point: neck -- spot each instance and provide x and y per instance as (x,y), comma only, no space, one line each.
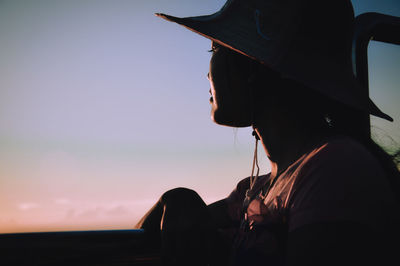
(283,151)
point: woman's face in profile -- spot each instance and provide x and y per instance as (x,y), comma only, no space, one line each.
(231,101)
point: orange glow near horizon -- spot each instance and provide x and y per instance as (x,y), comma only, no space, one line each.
(60,192)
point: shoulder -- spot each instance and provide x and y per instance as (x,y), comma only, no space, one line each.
(339,181)
(342,153)
(343,161)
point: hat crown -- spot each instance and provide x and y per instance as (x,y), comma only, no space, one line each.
(309,41)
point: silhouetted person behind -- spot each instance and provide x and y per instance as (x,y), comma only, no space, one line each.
(331,198)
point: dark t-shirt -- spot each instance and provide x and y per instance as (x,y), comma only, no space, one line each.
(338,181)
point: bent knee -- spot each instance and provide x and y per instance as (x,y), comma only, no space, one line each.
(179,195)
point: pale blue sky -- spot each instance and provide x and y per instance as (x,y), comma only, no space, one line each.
(104,106)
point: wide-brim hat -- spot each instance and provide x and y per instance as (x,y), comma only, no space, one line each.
(308,41)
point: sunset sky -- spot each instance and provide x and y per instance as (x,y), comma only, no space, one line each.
(104,106)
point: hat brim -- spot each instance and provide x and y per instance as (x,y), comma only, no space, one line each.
(333,80)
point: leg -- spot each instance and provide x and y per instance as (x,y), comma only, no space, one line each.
(181,220)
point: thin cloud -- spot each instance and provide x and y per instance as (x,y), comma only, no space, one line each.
(25,206)
(62,201)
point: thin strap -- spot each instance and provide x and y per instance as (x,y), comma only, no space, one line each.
(253,178)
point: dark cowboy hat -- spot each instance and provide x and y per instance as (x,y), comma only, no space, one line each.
(308,41)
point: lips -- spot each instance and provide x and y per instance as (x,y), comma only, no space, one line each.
(211,98)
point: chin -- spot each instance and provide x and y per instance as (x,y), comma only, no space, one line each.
(222,119)
(219,119)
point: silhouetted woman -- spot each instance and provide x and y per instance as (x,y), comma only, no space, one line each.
(331,198)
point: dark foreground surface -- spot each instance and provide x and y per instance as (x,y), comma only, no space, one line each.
(115,247)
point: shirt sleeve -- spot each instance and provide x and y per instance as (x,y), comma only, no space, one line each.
(236,198)
(341,182)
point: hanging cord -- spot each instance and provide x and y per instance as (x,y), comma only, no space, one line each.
(252,80)
(253,178)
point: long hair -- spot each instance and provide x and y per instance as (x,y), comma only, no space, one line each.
(343,123)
